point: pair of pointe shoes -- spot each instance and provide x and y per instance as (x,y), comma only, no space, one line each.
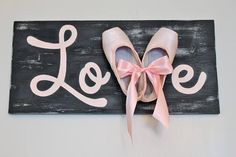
(129,69)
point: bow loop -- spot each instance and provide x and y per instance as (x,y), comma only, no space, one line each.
(160,66)
(126,68)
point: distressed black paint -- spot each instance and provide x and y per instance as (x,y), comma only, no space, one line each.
(196,48)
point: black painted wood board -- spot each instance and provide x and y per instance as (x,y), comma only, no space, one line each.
(196,48)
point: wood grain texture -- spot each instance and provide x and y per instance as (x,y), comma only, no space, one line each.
(196,48)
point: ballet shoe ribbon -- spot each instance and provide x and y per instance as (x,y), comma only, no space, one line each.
(154,71)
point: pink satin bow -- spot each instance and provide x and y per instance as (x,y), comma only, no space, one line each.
(160,66)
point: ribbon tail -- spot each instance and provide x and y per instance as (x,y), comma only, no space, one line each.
(161,111)
(131,101)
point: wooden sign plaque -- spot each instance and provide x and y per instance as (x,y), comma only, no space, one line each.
(196,49)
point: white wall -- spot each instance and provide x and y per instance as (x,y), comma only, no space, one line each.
(106,135)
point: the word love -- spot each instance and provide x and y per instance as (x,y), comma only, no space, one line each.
(59,81)
(98,79)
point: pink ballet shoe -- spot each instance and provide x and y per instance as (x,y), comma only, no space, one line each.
(117,46)
(118,49)
(161,49)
